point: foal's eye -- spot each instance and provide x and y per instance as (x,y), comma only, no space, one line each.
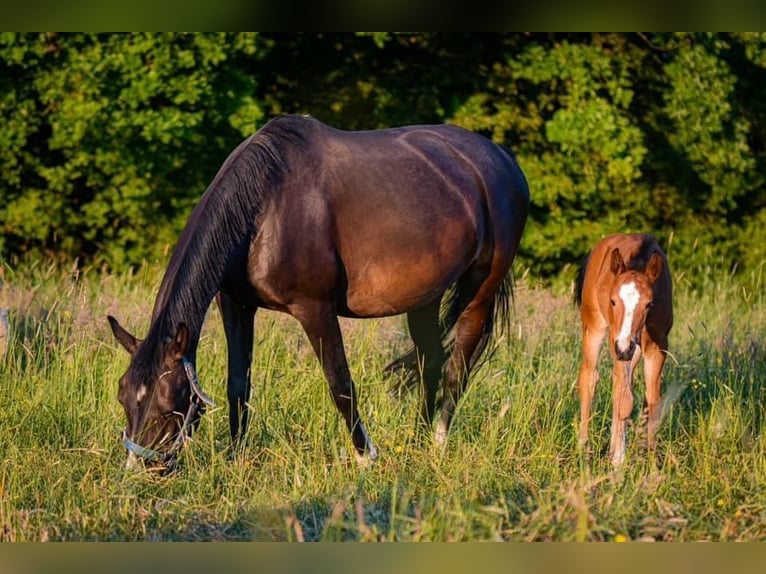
(613,302)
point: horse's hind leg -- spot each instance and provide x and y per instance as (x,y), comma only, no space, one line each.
(320,323)
(426,335)
(238,326)
(477,291)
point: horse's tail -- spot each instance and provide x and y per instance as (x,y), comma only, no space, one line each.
(407,369)
(580,280)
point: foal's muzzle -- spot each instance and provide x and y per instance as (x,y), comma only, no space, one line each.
(626,354)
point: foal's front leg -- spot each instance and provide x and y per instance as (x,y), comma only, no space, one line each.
(592,338)
(320,323)
(622,404)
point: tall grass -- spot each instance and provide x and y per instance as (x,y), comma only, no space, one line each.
(511,470)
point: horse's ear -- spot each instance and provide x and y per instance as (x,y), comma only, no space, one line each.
(654,267)
(618,263)
(123,337)
(179,344)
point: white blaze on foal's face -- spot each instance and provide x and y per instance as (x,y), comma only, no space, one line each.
(629,296)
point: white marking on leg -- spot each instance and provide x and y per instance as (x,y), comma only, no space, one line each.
(630,296)
(618,457)
(617,443)
(132,461)
(440,437)
(371,452)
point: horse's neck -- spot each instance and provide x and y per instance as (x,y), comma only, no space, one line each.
(183,298)
(216,234)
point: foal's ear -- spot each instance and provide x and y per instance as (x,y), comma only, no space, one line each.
(618,263)
(123,337)
(179,344)
(654,267)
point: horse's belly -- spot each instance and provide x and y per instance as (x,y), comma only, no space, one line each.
(380,291)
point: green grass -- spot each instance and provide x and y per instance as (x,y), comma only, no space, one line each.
(511,470)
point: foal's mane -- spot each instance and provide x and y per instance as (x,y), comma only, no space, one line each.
(640,258)
(219,231)
(637,262)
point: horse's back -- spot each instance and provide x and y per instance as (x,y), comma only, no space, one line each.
(444,148)
(444,172)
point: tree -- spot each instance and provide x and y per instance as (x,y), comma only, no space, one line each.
(112,137)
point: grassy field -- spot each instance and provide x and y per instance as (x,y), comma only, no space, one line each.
(511,470)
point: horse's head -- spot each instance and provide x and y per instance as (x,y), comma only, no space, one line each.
(630,299)
(161,397)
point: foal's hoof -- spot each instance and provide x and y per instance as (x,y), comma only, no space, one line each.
(440,437)
(584,450)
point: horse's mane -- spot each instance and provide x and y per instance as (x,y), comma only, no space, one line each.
(219,231)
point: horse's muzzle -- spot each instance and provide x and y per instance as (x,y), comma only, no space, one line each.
(141,457)
(167,465)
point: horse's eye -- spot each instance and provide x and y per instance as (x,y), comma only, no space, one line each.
(613,302)
(649,304)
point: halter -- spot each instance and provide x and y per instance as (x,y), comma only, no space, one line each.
(182,436)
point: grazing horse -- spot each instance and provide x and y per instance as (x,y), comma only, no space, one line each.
(624,288)
(318,223)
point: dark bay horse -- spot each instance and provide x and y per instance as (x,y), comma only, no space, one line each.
(318,222)
(624,288)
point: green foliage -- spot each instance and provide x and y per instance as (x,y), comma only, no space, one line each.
(114,136)
(583,161)
(630,133)
(109,139)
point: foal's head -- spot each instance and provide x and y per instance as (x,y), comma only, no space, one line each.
(630,300)
(160,395)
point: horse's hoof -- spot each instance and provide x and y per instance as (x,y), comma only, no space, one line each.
(366,460)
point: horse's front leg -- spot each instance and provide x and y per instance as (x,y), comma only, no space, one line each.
(320,323)
(622,403)
(238,325)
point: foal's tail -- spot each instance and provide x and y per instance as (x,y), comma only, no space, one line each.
(580,280)
(407,369)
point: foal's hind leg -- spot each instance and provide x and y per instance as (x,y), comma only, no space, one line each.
(238,326)
(320,323)
(426,335)
(654,360)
